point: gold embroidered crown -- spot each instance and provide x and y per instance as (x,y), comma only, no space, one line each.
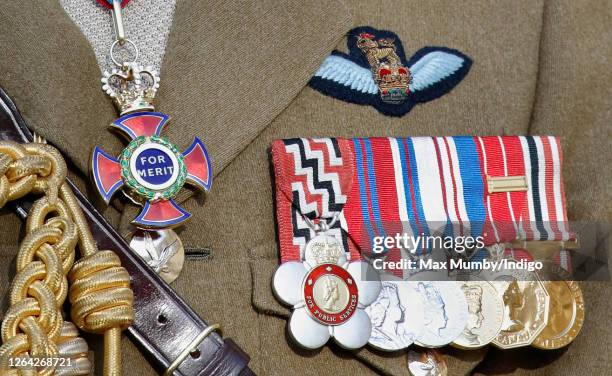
(327,253)
(391,76)
(393,82)
(132,87)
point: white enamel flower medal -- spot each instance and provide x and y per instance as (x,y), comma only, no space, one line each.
(328,294)
(150,170)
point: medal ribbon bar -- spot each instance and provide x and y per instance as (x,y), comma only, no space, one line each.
(312,177)
(423,185)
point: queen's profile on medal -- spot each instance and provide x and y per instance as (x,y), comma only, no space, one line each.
(387,313)
(435,311)
(526,303)
(514,300)
(445,312)
(396,315)
(475,317)
(485,314)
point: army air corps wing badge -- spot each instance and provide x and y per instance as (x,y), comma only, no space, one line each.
(376,72)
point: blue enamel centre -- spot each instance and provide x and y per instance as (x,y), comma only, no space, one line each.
(154,166)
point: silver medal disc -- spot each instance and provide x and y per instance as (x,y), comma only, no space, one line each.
(162,250)
(446,312)
(485,314)
(397,316)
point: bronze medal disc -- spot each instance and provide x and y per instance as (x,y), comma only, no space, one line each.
(565,316)
(426,362)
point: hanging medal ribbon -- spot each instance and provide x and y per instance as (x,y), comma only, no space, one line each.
(109,3)
(319,276)
(419,186)
(536,212)
(150,170)
(540,214)
(312,177)
(504,209)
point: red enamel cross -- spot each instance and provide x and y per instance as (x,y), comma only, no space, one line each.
(150,170)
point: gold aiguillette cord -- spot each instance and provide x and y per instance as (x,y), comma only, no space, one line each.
(97,286)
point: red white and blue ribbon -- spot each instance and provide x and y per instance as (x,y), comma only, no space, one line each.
(427,186)
(423,184)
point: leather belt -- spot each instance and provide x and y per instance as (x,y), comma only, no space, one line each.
(164,325)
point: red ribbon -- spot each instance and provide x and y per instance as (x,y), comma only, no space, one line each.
(109,3)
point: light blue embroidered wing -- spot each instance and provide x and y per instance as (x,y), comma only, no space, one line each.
(345,72)
(434,67)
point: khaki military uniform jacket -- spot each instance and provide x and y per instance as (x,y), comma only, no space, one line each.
(236,74)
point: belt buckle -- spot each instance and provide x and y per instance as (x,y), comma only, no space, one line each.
(191,347)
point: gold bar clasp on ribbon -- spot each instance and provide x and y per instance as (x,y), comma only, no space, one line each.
(506,183)
(545,249)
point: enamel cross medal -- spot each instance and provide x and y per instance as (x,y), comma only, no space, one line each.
(150,170)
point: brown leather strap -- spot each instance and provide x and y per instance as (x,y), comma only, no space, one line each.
(164,324)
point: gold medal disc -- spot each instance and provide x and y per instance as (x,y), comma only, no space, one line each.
(565,316)
(526,304)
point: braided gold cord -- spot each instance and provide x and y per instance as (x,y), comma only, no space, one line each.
(97,286)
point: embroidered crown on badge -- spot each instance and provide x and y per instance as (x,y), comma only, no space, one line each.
(391,76)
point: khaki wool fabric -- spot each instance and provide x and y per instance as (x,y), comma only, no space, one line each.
(235,75)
